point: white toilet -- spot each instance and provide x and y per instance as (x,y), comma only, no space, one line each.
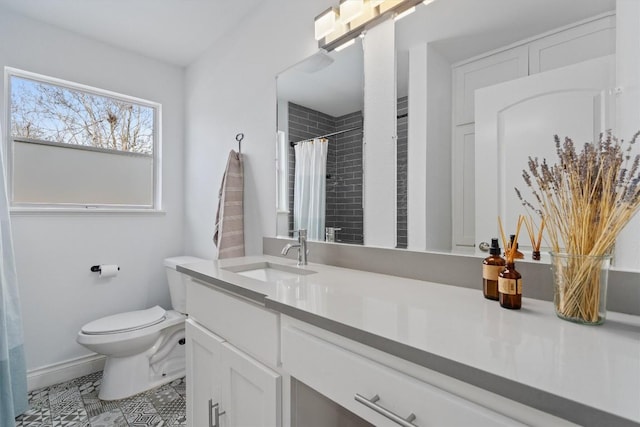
(144,348)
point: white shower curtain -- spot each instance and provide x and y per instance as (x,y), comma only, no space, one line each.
(13,377)
(309,197)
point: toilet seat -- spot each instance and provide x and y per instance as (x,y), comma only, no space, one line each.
(125,322)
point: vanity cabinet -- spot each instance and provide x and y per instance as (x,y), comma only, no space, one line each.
(222,377)
(386,391)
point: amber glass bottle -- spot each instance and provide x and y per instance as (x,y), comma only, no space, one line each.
(510,287)
(491,268)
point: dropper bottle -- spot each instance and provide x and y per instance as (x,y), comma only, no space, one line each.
(491,268)
(510,287)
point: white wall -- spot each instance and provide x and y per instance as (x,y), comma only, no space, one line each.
(54,252)
(231,89)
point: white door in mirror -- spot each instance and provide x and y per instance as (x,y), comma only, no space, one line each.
(519,118)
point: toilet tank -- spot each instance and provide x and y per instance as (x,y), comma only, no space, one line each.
(177,281)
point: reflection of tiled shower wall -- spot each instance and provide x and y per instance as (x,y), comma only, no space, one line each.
(402,126)
(344,169)
(344,178)
(347,183)
(305,123)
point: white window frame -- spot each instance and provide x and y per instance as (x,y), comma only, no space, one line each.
(155,207)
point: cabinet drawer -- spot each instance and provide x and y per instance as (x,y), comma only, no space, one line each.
(244,324)
(340,374)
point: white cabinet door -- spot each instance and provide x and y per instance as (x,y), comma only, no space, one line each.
(251,396)
(581,43)
(517,119)
(203,350)
(500,67)
(463,182)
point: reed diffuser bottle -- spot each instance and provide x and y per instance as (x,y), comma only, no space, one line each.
(491,268)
(509,280)
(518,254)
(510,287)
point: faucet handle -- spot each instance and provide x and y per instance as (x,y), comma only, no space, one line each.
(301,232)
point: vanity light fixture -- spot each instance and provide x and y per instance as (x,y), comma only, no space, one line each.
(345,45)
(350,9)
(335,27)
(405,13)
(326,22)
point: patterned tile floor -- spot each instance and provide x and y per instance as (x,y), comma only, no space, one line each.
(76,404)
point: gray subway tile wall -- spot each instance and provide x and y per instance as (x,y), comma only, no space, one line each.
(345,170)
(348,180)
(305,123)
(402,160)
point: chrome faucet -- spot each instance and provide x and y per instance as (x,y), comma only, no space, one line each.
(301,245)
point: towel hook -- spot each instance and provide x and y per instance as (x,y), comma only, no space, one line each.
(239,138)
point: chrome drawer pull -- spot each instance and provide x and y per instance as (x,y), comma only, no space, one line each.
(371,403)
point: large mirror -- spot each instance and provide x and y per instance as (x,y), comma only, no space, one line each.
(462,64)
(321,98)
(447,52)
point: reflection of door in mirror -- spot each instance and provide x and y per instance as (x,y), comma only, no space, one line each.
(448,50)
(542,55)
(517,119)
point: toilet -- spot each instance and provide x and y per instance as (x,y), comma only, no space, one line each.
(144,348)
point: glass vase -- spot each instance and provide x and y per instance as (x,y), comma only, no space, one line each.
(580,287)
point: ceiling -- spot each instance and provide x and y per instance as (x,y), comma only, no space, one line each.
(173,31)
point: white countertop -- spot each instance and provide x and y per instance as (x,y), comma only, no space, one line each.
(596,366)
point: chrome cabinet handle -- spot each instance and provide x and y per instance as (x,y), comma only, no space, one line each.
(216,414)
(371,403)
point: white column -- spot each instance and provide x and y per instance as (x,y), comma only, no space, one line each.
(417,150)
(438,166)
(429,159)
(379,163)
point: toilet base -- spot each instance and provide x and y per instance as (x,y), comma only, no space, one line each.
(126,376)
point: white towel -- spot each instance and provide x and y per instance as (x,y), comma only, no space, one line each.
(229,228)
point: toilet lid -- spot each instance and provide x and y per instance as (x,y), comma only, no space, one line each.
(125,322)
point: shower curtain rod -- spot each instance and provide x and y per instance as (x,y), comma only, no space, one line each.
(293,144)
(324,136)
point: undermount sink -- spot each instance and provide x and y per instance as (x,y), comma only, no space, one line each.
(268,271)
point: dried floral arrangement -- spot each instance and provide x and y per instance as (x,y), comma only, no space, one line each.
(585,200)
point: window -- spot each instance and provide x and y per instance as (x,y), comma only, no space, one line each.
(73,146)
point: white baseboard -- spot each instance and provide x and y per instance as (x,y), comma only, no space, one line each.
(64,371)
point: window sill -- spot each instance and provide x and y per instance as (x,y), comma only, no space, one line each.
(20,211)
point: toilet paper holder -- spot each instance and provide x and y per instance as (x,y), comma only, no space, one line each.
(97,269)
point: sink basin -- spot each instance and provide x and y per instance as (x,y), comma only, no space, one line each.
(268,272)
